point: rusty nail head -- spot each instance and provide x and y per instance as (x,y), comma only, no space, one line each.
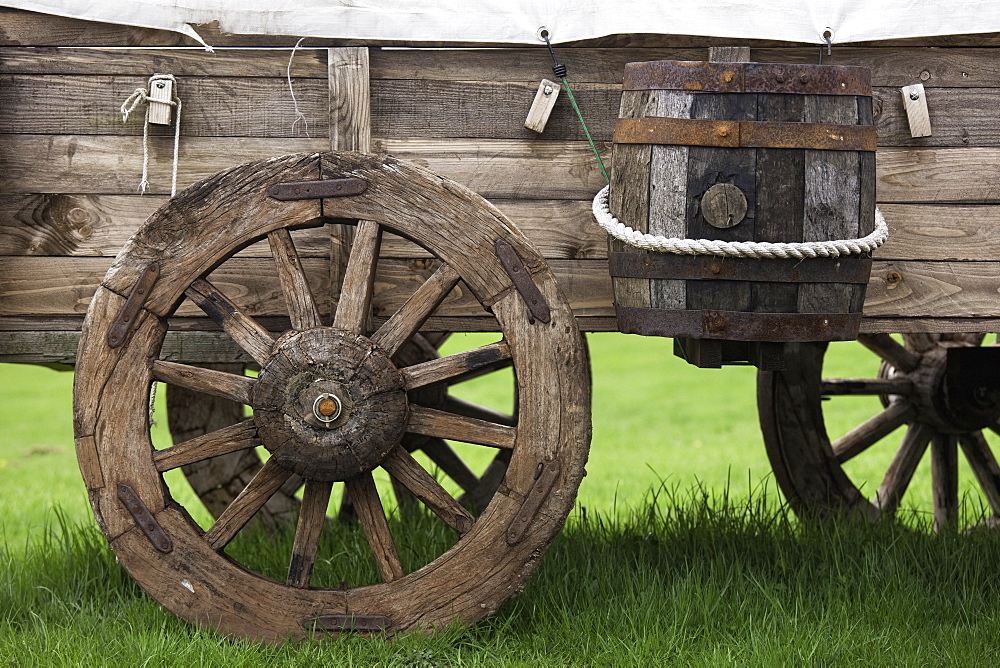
(780,77)
(723,132)
(727,76)
(804,78)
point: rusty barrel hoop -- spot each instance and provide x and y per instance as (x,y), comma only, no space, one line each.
(743,152)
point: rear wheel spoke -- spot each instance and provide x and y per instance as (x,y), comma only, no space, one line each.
(312,518)
(890,350)
(302,308)
(368,506)
(871,431)
(902,467)
(448,460)
(944,481)
(984,466)
(268,480)
(866,386)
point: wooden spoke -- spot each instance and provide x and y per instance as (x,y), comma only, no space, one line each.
(901,469)
(479,497)
(247,334)
(217,383)
(312,517)
(971,338)
(469,409)
(944,480)
(863,386)
(984,465)
(455,367)
(403,467)
(368,507)
(267,481)
(871,431)
(294,286)
(442,454)
(921,342)
(411,315)
(233,438)
(890,350)
(354,308)
(436,338)
(432,422)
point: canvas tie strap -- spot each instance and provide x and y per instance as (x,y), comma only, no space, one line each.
(753,249)
(128,106)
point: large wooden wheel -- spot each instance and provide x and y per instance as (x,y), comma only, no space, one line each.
(333,403)
(929,388)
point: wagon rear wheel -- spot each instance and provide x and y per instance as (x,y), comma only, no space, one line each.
(923,404)
(334,405)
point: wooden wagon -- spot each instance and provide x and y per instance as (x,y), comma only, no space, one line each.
(335,271)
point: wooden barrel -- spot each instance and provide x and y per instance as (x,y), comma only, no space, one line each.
(743,152)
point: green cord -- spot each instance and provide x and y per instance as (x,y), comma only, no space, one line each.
(593,147)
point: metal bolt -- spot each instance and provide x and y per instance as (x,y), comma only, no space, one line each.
(914,95)
(547,90)
(804,78)
(723,132)
(160,84)
(327,407)
(780,77)
(925,75)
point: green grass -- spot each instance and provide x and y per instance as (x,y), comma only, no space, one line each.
(679,551)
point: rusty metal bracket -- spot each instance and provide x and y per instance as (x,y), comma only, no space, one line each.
(523,282)
(127,319)
(545,479)
(355,623)
(147,523)
(296,190)
(745,134)
(706,77)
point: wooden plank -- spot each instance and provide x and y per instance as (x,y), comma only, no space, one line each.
(923,289)
(706,167)
(939,175)
(308,63)
(960,117)
(832,199)
(349,99)
(668,195)
(113,165)
(933,289)
(486,109)
(780,199)
(213,106)
(518,64)
(33,29)
(98,225)
(901,66)
(628,199)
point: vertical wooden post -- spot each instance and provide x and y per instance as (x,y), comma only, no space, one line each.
(350,130)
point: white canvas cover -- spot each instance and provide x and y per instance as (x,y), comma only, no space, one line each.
(518,21)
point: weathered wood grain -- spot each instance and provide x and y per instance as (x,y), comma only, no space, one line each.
(56,224)
(308,63)
(496,169)
(113,165)
(213,106)
(628,198)
(312,518)
(961,289)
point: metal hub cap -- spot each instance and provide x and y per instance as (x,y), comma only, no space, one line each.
(327,407)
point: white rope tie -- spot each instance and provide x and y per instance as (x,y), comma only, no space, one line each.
(756,249)
(299,116)
(128,106)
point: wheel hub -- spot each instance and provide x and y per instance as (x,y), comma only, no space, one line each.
(329,405)
(944,396)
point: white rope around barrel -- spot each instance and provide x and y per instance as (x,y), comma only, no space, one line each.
(756,249)
(129,105)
